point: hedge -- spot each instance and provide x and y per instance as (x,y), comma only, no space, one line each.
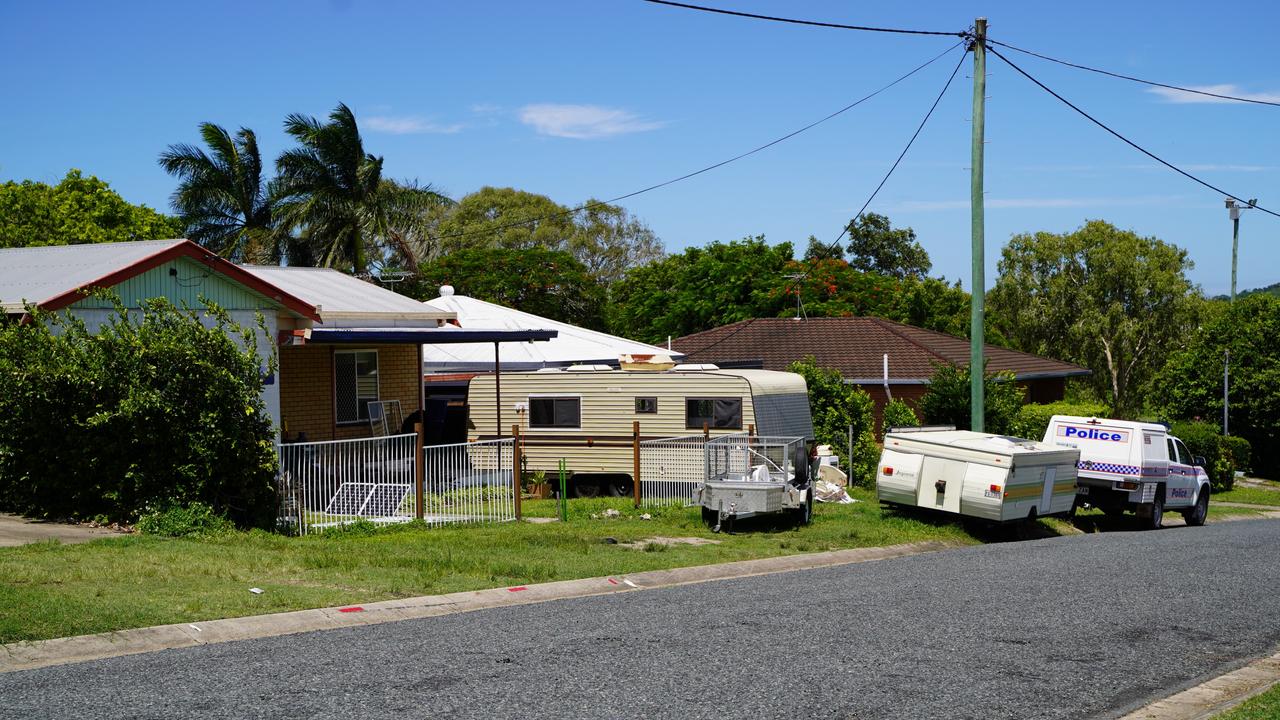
(1223,455)
(1033,419)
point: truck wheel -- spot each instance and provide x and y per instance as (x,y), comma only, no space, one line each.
(1196,516)
(1154,520)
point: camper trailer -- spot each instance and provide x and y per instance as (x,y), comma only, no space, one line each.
(979,475)
(1133,466)
(584,414)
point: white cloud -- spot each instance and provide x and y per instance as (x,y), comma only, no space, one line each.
(408,125)
(1039,203)
(1180,96)
(583,122)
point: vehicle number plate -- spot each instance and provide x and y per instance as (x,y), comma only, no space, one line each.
(1082,489)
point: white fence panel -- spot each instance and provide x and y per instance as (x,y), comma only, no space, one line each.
(469,482)
(671,468)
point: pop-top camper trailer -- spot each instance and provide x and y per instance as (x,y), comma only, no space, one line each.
(584,414)
(980,475)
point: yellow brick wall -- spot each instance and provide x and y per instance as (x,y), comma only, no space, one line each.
(306,388)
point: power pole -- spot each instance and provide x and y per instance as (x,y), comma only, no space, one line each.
(979,283)
(1233,209)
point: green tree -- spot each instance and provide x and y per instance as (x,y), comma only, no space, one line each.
(834,288)
(876,246)
(838,408)
(77,210)
(899,414)
(1190,384)
(157,406)
(331,191)
(701,288)
(947,400)
(605,238)
(222,197)
(551,283)
(1106,298)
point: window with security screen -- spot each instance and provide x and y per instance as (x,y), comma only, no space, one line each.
(715,413)
(555,412)
(355,379)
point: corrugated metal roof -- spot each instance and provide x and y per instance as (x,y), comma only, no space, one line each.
(573,345)
(344,299)
(38,274)
(856,347)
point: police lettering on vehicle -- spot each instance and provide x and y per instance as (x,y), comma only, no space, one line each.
(1090,433)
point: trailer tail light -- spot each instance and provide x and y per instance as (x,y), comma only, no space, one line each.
(887,472)
(995,488)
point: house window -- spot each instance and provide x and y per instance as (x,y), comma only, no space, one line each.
(355,380)
(555,412)
(716,413)
(646,405)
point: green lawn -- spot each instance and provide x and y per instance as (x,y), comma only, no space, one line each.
(1261,707)
(52,590)
(1252,495)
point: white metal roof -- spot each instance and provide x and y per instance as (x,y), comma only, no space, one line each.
(344,300)
(39,274)
(573,345)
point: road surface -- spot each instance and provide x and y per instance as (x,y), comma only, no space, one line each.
(1074,627)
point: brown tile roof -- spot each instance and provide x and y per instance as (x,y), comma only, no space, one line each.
(855,346)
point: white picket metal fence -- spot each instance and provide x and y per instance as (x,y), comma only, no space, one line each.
(330,483)
(671,468)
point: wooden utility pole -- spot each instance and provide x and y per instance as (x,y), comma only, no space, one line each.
(635,460)
(978,287)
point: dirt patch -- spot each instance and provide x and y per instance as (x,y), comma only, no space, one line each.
(642,544)
(15,530)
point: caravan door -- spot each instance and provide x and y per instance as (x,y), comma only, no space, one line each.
(941,484)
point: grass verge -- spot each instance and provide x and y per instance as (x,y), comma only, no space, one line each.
(50,590)
(1247,494)
(1259,707)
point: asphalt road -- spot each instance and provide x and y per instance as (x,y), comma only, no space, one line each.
(1074,627)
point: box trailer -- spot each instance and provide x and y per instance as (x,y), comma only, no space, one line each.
(1133,466)
(979,475)
(585,414)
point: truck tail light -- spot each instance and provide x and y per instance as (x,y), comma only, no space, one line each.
(887,472)
(1127,485)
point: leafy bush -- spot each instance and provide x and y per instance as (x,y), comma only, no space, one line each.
(947,401)
(899,414)
(191,520)
(836,407)
(1033,418)
(152,407)
(1222,455)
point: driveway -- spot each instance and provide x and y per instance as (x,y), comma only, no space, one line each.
(16,530)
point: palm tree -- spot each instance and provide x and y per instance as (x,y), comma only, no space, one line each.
(221,198)
(333,193)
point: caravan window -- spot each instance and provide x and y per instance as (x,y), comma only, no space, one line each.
(716,413)
(551,412)
(646,405)
(355,384)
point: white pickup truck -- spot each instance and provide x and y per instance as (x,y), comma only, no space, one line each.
(1133,466)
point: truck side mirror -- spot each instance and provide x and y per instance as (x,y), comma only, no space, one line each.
(1197,460)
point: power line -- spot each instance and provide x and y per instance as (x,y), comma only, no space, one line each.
(801,277)
(686,176)
(1126,140)
(1134,79)
(794,21)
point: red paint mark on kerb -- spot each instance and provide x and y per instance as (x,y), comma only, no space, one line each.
(353,608)
(517,589)
(612,581)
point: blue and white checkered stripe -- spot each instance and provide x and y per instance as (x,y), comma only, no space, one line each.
(1108,468)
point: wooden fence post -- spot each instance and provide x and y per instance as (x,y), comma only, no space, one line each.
(419,468)
(751,430)
(706,431)
(635,459)
(515,466)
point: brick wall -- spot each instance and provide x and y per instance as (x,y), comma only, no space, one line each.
(306,388)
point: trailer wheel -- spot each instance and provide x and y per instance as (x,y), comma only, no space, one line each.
(710,517)
(1196,516)
(1156,517)
(804,513)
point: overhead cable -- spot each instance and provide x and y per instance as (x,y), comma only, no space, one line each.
(1124,139)
(794,21)
(1135,79)
(722,163)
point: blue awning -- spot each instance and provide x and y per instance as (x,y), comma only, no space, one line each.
(427,335)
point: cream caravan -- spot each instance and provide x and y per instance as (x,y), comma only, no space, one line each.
(584,413)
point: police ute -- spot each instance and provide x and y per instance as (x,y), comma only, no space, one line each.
(1133,466)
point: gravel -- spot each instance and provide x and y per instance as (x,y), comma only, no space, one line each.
(1073,627)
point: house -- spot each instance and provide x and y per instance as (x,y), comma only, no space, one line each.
(342,343)
(885,358)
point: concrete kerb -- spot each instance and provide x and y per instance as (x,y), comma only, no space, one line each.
(82,648)
(1215,696)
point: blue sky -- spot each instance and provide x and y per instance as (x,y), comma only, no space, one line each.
(596,99)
